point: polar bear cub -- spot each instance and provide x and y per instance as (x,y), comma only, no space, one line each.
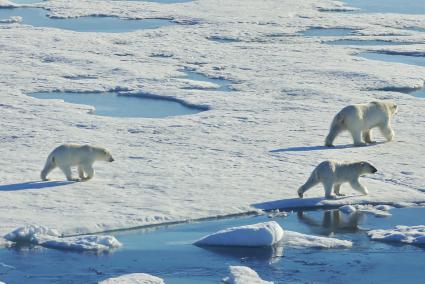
(332,174)
(360,119)
(68,155)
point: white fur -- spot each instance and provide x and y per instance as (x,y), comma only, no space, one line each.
(332,174)
(360,119)
(83,156)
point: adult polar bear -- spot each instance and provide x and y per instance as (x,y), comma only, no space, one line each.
(359,120)
(68,155)
(332,174)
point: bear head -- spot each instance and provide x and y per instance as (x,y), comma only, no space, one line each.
(367,168)
(103,155)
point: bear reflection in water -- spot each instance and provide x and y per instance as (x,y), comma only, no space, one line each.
(333,221)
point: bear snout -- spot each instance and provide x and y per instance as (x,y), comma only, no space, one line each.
(374,170)
(111,159)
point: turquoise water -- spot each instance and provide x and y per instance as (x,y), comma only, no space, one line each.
(327,32)
(389,6)
(116,105)
(224,85)
(38,18)
(366,42)
(167,252)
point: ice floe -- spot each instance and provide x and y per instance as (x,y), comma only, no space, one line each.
(134,278)
(256,235)
(51,238)
(414,235)
(298,240)
(377,210)
(244,275)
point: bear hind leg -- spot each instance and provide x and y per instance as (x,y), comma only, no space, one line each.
(68,173)
(357,138)
(50,166)
(312,181)
(81,172)
(333,133)
(337,189)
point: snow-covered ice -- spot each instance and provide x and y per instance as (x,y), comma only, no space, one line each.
(244,275)
(298,240)
(257,144)
(400,234)
(134,278)
(256,235)
(50,238)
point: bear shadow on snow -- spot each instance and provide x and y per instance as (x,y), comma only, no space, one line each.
(321,147)
(33,185)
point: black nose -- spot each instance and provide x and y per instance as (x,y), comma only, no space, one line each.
(111,160)
(374,170)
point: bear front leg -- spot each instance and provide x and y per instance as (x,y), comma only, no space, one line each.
(337,188)
(88,169)
(387,131)
(357,186)
(357,138)
(68,173)
(367,136)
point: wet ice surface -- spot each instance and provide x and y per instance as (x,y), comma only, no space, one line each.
(389,6)
(223,84)
(160,1)
(38,18)
(366,42)
(154,251)
(122,105)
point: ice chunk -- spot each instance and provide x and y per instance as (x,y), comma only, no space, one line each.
(295,239)
(134,278)
(11,20)
(244,275)
(378,210)
(30,233)
(401,234)
(257,235)
(348,209)
(50,238)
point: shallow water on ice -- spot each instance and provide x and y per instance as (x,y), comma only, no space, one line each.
(38,18)
(327,32)
(167,252)
(366,42)
(224,85)
(389,6)
(115,105)
(160,1)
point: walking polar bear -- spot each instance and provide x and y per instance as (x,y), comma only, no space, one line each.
(83,156)
(332,174)
(360,119)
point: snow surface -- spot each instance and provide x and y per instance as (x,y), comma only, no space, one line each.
(400,234)
(298,240)
(257,144)
(134,278)
(256,235)
(377,210)
(244,275)
(50,238)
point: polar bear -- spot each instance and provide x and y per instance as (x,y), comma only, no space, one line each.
(68,155)
(360,119)
(333,173)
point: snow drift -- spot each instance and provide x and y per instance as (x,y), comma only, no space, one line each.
(244,275)
(401,234)
(256,235)
(134,278)
(294,239)
(50,238)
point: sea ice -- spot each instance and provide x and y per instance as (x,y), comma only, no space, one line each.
(256,235)
(134,278)
(378,210)
(244,275)
(298,240)
(50,238)
(402,234)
